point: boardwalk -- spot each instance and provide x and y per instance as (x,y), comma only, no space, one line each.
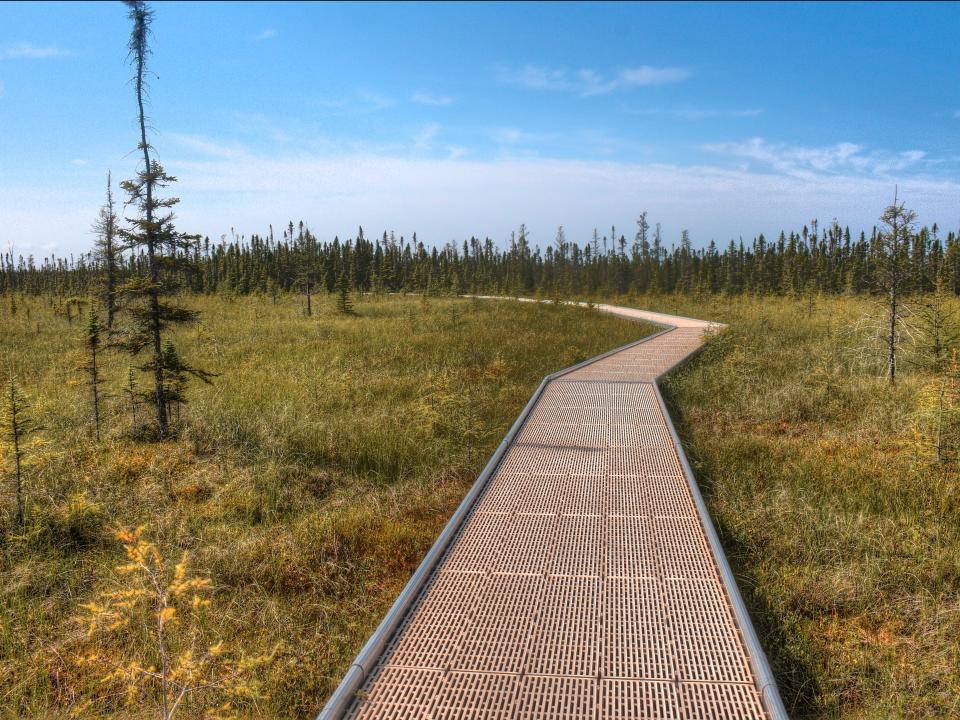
(581,579)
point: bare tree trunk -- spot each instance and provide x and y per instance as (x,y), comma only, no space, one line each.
(892,338)
(895,277)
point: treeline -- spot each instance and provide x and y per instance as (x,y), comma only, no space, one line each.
(827,260)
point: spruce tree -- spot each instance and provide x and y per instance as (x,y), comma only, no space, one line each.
(344,302)
(92,342)
(894,262)
(132,393)
(165,251)
(16,425)
(935,330)
(175,376)
(107,252)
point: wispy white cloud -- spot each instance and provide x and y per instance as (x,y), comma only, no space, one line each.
(207,148)
(423,140)
(425,98)
(375,101)
(956,114)
(592,142)
(79,162)
(515,136)
(695,113)
(446,197)
(649,75)
(534,77)
(27,50)
(267,34)
(587,82)
(3,88)
(809,162)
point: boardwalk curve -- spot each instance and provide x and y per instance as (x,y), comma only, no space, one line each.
(581,577)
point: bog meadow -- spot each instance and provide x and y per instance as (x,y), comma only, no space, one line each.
(221,460)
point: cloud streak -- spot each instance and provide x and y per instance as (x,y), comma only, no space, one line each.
(267,34)
(423,140)
(22,51)
(694,113)
(431,100)
(207,148)
(587,82)
(515,136)
(448,199)
(813,162)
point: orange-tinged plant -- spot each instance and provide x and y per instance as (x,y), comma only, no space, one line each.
(166,606)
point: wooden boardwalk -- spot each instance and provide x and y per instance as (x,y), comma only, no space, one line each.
(582,578)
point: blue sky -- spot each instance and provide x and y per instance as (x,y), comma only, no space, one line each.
(452,120)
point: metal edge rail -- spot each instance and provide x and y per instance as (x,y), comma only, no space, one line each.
(356,674)
(766,683)
(367,657)
(370,653)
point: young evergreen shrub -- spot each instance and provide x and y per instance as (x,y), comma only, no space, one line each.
(132,394)
(344,301)
(91,341)
(175,376)
(16,425)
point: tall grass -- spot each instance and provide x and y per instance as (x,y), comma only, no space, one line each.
(312,476)
(306,482)
(842,527)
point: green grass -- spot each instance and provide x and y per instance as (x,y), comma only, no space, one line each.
(307,482)
(842,528)
(314,474)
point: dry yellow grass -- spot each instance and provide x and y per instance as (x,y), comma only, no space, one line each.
(823,482)
(306,483)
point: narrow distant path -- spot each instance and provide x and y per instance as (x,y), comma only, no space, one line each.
(580,578)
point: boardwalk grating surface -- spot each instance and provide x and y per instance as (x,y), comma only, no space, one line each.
(582,584)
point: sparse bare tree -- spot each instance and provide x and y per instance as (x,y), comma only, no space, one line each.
(894,273)
(107,252)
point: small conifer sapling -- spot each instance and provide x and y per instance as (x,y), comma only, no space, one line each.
(92,342)
(344,302)
(17,424)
